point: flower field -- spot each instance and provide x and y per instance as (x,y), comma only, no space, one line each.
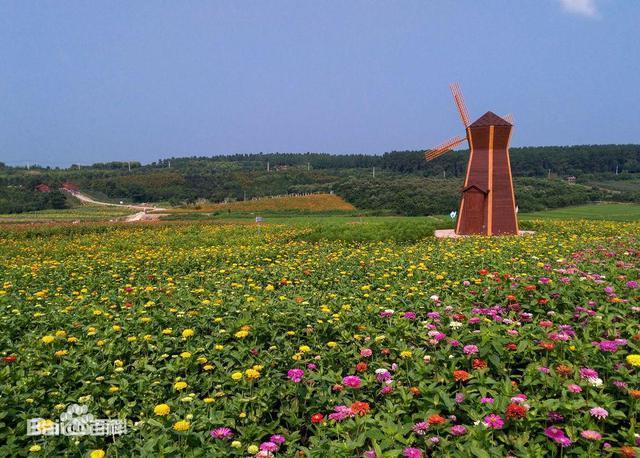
(219,340)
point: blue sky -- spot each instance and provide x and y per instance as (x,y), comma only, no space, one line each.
(83,82)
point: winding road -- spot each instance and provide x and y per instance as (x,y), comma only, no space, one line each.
(141,215)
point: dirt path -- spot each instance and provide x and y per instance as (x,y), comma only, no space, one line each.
(142,215)
(84,198)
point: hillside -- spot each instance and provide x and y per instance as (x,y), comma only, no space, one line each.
(395,182)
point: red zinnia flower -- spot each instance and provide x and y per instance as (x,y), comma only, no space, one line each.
(511,346)
(414,390)
(9,359)
(516,411)
(361,366)
(317,418)
(479,363)
(360,408)
(483,272)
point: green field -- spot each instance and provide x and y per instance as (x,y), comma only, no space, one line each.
(84,213)
(604,211)
(351,227)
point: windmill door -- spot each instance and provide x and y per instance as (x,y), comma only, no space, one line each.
(472,219)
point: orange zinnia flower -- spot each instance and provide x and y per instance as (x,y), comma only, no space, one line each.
(563,370)
(436,419)
(547,345)
(461,375)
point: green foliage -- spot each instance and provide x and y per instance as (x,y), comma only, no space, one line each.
(18,200)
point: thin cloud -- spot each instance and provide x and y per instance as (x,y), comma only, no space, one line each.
(585,8)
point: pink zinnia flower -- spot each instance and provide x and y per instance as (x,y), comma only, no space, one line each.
(557,435)
(412,452)
(587,372)
(269,447)
(470,349)
(591,435)
(573,388)
(352,381)
(295,375)
(599,413)
(458,430)
(341,412)
(420,428)
(277,439)
(632,284)
(607,345)
(493,421)
(221,433)
(366,352)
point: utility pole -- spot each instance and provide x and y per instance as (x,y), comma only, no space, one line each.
(169,164)
(308,166)
(129,164)
(373,173)
(549,175)
(616,169)
(267,166)
(444,174)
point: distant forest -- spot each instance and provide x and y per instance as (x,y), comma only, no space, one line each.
(399,182)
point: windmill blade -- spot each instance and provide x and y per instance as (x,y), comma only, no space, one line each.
(462,108)
(508,118)
(443,148)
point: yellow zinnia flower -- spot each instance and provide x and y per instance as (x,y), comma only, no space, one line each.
(633,360)
(162,410)
(181,425)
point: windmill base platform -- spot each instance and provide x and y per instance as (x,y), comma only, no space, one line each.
(451,234)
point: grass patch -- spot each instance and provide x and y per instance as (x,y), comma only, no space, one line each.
(82,213)
(602,211)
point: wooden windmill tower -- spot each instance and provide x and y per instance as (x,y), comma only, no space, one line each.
(487,206)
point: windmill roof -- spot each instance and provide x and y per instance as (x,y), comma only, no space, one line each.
(489,119)
(475,187)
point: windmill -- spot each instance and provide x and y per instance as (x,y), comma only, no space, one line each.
(487,205)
